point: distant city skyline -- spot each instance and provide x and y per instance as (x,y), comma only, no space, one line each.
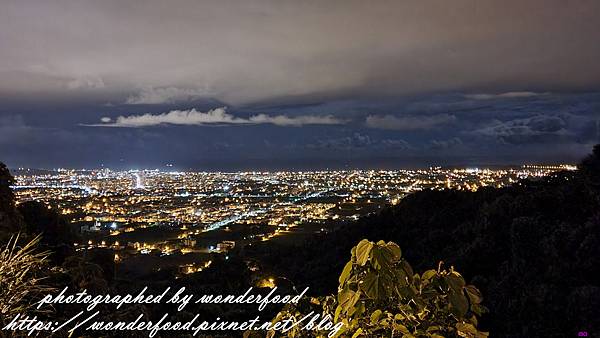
(173,168)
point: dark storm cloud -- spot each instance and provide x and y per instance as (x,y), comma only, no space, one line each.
(550,127)
(445,144)
(408,122)
(535,129)
(323,82)
(152,52)
(359,141)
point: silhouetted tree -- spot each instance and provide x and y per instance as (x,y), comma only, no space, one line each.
(10,220)
(40,219)
(590,166)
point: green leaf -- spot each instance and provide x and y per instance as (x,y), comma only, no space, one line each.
(338,309)
(345,273)
(341,331)
(466,328)
(395,250)
(403,329)
(401,278)
(423,313)
(375,316)
(344,298)
(347,299)
(357,333)
(363,250)
(459,303)
(433,328)
(455,281)
(358,309)
(382,258)
(428,274)
(416,280)
(373,285)
(473,294)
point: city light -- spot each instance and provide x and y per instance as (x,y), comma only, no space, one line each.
(116,206)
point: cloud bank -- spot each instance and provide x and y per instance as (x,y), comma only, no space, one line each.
(359,141)
(218,116)
(535,129)
(273,49)
(507,95)
(150,95)
(408,122)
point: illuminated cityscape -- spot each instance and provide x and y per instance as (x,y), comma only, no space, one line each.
(182,218)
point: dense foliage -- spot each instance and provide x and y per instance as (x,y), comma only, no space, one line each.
(380,296)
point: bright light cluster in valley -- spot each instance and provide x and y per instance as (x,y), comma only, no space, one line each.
(159,213)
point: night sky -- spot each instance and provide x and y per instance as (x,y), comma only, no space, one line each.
(229,85)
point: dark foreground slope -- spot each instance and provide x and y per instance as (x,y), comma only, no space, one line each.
(533,249)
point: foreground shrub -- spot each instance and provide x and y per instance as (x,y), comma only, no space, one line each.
(380,296)
(20,281)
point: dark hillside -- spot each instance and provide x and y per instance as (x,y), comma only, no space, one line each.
(533,249)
